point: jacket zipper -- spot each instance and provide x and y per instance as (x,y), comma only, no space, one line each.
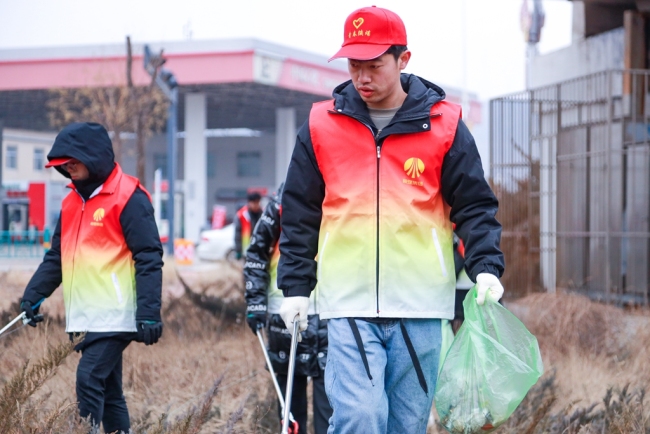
(377,253)
(378,146)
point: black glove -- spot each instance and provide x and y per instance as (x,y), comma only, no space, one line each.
(31,313)
(256,317)
(149,331)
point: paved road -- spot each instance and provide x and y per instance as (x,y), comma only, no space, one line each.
(31,263)
(7,264)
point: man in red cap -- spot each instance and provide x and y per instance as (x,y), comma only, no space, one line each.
(377,178)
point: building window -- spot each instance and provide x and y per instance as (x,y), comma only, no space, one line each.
(12,157)
(160,162)
(249,164)
(39,159)
(212,165)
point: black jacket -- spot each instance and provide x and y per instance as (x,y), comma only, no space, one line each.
(312,350)
(464,188)
(257,273)
(90,144)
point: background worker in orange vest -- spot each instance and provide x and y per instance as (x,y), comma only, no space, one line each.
(245,222)
(106,253)
(376,179)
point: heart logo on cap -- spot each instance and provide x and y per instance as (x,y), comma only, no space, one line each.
(357,23)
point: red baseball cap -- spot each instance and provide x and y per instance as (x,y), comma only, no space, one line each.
(57,161)
(369,32)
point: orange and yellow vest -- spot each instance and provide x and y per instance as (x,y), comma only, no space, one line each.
(385,246)
(246,229)
(97,266)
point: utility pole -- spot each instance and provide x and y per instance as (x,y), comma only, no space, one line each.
(169,86)
(532,21)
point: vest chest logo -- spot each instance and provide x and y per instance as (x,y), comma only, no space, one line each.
(413,167)
(98,215)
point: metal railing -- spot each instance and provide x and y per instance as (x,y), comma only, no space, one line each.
(24,244)
(570,164)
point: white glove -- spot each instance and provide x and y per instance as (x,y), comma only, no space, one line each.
(292,306)
(488,285)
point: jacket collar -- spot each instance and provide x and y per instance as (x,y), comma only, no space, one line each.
(421,96)
(110,185)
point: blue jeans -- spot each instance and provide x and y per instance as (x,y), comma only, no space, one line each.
(393,401)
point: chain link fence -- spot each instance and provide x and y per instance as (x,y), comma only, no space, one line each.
(570,164)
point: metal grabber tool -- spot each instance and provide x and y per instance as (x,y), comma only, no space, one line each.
(20,317)
(292,368)
(293,429)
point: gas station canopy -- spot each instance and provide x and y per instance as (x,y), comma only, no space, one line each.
(244,80)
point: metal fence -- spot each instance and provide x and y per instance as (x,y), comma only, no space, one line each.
(24,244)
(570,164)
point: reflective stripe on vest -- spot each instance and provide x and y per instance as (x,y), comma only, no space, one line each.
(385,245)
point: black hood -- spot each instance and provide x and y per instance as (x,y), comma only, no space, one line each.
(422,94)
(89,143)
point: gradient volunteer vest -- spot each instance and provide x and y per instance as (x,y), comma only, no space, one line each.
(246,229)
(385,246)
(97,266)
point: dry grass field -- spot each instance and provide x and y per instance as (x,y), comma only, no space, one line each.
(591,353)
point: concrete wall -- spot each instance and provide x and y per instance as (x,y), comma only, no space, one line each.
(27,170)
(597,53)
(225,186)
(27,142)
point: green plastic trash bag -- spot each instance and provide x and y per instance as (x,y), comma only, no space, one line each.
(447,339)
(492,363)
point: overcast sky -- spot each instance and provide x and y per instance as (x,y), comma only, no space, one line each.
(494,55)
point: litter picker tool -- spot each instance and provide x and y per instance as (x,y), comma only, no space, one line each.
(23,317)
(292,367)
(294,425)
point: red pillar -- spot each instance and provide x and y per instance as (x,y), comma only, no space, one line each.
(36,195)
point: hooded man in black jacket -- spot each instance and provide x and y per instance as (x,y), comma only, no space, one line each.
(106,253)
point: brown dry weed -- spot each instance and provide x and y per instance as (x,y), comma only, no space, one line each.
(207,374)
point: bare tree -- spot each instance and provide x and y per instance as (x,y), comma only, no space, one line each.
(149,112)
(141,110)
(107,106)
